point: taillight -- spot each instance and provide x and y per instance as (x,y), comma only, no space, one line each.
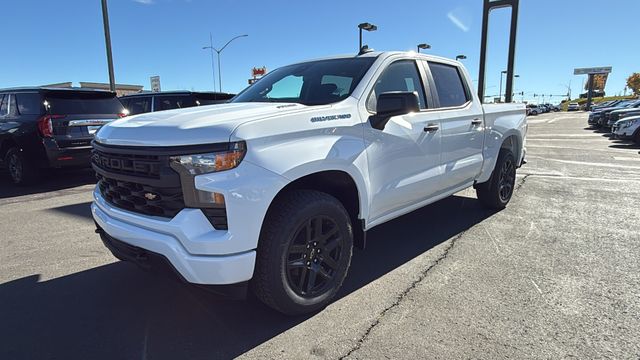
(45,126)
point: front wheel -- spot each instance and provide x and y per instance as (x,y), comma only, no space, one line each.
(304,252)
(496,193)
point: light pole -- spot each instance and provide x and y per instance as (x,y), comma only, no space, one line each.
(461,57)
(504,72)
(423,47)
(107,40)
(213,67)
(365,26)
(218,51)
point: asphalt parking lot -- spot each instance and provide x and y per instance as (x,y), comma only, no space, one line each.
(555,275)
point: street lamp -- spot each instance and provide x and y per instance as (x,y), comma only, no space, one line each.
(423,47)
(218,51)
(501,73)
(367,27)
(461,57)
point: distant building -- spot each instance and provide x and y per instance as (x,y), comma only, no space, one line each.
(121,89)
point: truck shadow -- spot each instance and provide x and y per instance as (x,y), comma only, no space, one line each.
(118,311)
(51,180)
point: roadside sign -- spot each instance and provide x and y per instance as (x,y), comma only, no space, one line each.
(256,72)
(155,83)
(593,70)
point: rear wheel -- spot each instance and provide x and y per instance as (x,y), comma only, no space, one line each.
(304,252)
(22,171)
(496,193)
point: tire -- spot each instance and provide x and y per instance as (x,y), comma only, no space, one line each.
(306,237)
(21,170)
(636,138)
(496,193)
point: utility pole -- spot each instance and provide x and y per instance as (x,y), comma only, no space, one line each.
(213,66)
(107,40)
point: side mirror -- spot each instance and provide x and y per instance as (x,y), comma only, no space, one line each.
(393,103)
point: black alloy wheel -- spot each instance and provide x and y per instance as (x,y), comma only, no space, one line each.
(313,257)
(507,179)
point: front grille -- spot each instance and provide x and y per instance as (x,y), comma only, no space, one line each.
(140,179)
(141,198)
(129,164)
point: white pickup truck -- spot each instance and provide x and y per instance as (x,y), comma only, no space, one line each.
(272,190)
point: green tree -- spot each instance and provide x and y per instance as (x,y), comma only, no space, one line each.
(633,83)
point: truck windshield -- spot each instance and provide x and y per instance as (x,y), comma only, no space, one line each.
(311,83)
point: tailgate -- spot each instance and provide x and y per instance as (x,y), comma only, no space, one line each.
(78,130)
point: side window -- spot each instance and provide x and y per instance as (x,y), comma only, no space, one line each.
(29,104)
(449,85)
(168,102)
(401,75)
(4,106)
(139,105)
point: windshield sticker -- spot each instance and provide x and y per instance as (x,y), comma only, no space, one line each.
(330,117)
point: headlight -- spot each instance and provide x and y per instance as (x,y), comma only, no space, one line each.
(197,164)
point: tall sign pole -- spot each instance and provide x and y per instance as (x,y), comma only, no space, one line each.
(488,6)
(107,40)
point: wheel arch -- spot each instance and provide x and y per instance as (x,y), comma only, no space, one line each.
(339,184)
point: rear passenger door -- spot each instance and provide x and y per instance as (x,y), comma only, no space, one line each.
(461,123)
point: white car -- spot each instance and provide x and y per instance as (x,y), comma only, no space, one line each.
(627,129)
(273,189)
(573,107)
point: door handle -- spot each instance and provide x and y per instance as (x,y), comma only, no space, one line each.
(476,121)
(431,128)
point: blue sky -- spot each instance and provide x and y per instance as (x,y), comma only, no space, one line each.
(56,41)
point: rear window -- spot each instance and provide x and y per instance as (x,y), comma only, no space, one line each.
(74,103)
(29,104)
(449,85)
(174,102)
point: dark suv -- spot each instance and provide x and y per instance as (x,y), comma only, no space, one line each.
(149,102)
(50,128)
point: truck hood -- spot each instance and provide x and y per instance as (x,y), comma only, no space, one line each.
(191,126)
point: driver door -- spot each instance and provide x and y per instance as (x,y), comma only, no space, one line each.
(404,157)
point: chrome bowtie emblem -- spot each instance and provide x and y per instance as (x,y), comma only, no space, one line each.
(150,196)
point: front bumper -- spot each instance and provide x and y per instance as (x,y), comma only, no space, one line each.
(622,134)
(197,269)
(200,253)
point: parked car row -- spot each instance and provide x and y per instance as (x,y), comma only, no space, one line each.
(42,127)
(535,109)
(620,117)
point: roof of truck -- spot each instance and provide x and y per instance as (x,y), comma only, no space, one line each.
(375,54)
